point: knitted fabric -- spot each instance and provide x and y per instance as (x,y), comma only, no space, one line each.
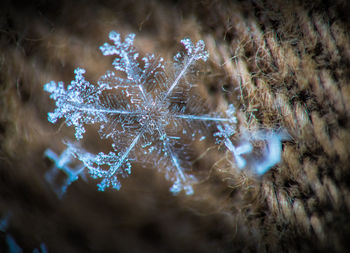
(285,65)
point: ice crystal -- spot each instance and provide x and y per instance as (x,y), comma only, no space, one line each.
(63,163)
(4,222)
(42,249)
(149,110)
(12,246)
(243,153)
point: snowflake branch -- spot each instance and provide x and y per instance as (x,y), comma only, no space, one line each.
(122,159)
(202,117)
(194,53)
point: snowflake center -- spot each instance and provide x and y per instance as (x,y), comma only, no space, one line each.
(154,116)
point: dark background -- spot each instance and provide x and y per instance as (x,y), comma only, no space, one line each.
(229,212)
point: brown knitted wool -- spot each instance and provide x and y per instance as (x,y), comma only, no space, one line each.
(283,64)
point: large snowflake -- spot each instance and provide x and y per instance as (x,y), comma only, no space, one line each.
(151,115)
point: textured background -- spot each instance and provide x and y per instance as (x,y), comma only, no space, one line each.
(284,64)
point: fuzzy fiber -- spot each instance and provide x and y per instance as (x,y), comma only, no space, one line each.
(284,64)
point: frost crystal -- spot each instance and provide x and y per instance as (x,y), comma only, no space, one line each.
(244,153)
(42,249)
(147,112)
(12,245)
(62,163)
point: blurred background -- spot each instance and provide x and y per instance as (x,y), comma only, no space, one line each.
(284,64)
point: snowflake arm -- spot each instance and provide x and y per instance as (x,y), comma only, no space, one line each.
(127,62)
(181,181)
(117,163)
(202,118)
(194,53)
(83,103)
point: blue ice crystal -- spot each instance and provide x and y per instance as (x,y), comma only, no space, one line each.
(147,109)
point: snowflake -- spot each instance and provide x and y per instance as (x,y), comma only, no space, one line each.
(244,154)
(144,110)
(63,163)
